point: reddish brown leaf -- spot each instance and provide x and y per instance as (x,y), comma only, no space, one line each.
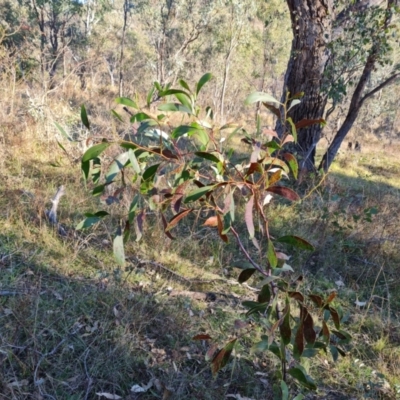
(299,341)
(309,332)
(176,203)
(247,141)
(222,358)
(284,328)
(335,317)
(139,224)
(174,220)
(202,336)
(165,223)
(211,221)
(317,300)
(273,109)
(211,352)
(220,229)
(248,216)
(297,296)
(308,122)
(325,332)
(165,152)
(254,167)
(284,192)
(331,297)
(275,177)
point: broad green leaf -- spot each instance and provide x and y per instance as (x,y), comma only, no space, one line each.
(170,92)
(63,132)
(88,222)
(94,151)
(296,241)
(150,172)
(293,103)
(207,156)
(198,193)
(310,352)
(183,130)
(139,117)
(117,165)
(254,307)
(174,107)
(118,248)
(126,102)
(293,128)
(184,84)
(265,294)
(85,166)
(271,254)
(242,265)
(132,208)
(334,352)
(285,391)
(203,80)
(203,137)
(98,190)
(185,100)
(149,96)
(133,160)
(301,376)
(246,275)
(84,117)
(292,162)
(260,96)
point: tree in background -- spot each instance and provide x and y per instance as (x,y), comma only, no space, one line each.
(335,47)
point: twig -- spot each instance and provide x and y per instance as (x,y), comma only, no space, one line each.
(90,380)
(8,293)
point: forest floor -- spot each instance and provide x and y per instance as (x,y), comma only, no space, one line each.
(73,325)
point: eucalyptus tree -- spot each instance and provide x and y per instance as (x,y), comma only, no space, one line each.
(57,23)
(337,46)
(172,27)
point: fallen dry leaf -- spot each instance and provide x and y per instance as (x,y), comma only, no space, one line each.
(109,396)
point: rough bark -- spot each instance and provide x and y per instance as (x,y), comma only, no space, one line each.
(311,22)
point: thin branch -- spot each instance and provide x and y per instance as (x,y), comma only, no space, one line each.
(248,256)
(381,86)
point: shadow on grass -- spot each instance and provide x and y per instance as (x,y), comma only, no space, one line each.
(70,338)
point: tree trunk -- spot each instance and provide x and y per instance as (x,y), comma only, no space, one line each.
(311,23)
